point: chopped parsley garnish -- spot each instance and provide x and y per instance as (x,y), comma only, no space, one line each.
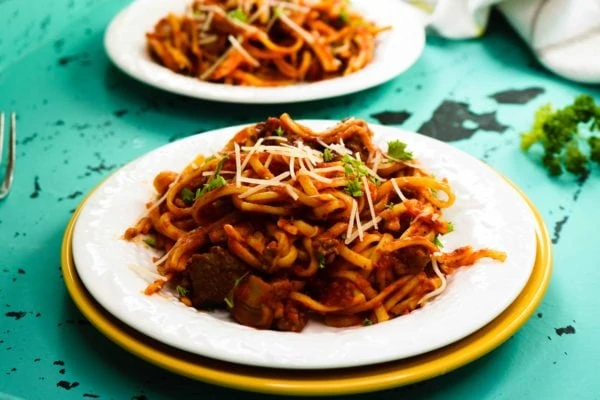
(450,227)
(353,188)
(238,14)
(437,242)
(278,11)
(389,205)
(344,17)
(216,181)
(182,290)
(397,150)
(228,302)
(367,322)
(187,196)
(357,169)
(150,241)
(352,166)
(279,131)
(239,280)
(327,155)
(321,259)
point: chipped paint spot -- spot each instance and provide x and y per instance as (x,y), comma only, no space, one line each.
(36,188)
(567,330)
(120,113)
(67,385)
(558,226)
(16,314)
(517,96)
(447,122)
(391,117)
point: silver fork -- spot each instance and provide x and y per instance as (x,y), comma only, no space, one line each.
(12,150)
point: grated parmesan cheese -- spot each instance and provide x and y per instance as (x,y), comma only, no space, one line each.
(365,227)
(253,150)
(351,221)
(442,287)
(145,273)
(292,172)
(238,46)
(291,192)
(398,191)
(263,183)
(238,165)
(359,226)
(297,28)
(370,201)
(317,177)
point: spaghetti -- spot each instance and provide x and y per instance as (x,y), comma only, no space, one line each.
(264,42)
(286,224)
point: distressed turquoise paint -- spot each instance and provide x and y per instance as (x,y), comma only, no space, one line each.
(81,120)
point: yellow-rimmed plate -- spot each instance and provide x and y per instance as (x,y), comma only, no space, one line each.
(320,382)
(487,213)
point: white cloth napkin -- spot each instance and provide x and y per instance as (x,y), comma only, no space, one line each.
(563,34)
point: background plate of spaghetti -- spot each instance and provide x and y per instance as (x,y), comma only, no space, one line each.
(395,50)
(487,213)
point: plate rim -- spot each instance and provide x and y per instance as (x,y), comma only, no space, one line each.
(383,130)
(240,95)
(319,382)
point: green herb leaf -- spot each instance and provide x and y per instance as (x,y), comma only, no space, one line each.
(389,205)
(187,196)
(437,242)
(321,259)
(344,17)
(279,131)
(228,302)
(367,322)
(397,150)
(278,11)
(216,181)
(353,188)
(182,290)
(239,280)
(150,241)
(238,14)
(327,155)
(450,227)
(352,166)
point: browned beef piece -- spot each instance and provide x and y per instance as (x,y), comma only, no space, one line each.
(410,260)
(213,275)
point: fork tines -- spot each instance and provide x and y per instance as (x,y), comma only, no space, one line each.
(12,150)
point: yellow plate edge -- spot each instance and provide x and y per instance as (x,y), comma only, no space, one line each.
(319,382)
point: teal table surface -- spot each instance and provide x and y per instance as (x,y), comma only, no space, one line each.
(80,119)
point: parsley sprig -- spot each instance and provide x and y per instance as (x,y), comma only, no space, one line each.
(216,181)
(397,151)
(322,261)
(183,291)
(353,188)
(354,170)
(567,136)
(238,14)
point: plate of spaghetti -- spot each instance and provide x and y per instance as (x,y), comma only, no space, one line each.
(255,51)
(310,244)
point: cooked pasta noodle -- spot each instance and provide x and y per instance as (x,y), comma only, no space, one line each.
(285,224)
(264,42)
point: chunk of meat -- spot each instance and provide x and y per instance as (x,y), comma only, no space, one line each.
(212,276)
(409,260)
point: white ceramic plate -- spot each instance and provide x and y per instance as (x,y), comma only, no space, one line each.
(396,51)
(487,213)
